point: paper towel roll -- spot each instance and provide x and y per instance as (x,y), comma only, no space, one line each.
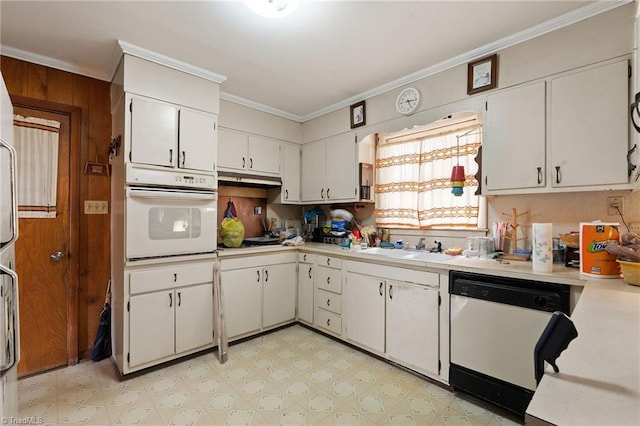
(542,253)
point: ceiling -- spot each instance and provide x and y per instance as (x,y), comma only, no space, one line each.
(323,56)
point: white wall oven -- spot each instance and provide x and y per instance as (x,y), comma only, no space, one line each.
(169,213)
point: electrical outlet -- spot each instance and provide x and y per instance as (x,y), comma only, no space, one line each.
(634,227)
(96,207)
(615,206)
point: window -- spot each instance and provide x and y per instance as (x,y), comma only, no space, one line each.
(413,176)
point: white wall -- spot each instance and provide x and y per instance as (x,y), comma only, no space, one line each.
(239,117)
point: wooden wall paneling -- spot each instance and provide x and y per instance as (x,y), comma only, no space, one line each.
(37,85)
(15,75)
(88,101)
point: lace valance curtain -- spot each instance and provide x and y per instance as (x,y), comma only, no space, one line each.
(36,144)
(413,187)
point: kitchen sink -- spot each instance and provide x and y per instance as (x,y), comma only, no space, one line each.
(408,254)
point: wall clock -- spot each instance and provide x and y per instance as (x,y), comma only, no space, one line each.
(408,101)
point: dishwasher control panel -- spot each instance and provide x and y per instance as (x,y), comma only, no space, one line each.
(536,295)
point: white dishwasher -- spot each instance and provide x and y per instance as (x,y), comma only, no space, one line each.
(495,325)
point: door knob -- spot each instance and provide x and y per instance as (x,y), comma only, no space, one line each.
(57,256)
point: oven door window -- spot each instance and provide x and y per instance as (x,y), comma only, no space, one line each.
(174,223)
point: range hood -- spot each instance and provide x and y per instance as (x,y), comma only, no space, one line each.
(249,180)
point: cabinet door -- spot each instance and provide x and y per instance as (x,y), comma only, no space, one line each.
(364,310)
(589,127)
(151,327)
(416,345)
(194,317)
(290,174)
(198,140)
(242,300)
(513,146)
(232,150)
(278,294)
(312,178)
(264,155)
(341,171)
(305,292)
(154,132)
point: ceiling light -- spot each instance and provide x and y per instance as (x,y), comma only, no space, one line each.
(272,8)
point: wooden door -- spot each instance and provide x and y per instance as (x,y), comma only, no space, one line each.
(44,282)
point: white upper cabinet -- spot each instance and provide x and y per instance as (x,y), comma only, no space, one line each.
(569,132)
(330,170)
(513,149)
(239,152)
(197,140)
(169,135)
(290,174)
(589,127)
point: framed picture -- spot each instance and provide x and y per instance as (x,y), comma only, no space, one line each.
(358,115)
(482,74)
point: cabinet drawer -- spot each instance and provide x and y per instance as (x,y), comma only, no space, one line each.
(306,257)
(330,301)
(329,279)
(165,278)
(329,321)
(330,262)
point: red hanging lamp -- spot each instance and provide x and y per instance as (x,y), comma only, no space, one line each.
(457,173)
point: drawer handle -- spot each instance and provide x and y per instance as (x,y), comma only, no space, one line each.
(328,280)
(266,275)
(170,299)
(328,261)
(258,280)
(175,278)
(179,299)
(328,322)
(380,289)
(390,292)
(304,257)
(328,302)
(309,272)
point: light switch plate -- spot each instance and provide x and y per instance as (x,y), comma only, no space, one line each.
(96,207)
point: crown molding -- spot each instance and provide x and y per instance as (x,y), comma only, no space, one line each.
(52,63)
(261,107)
(160,59)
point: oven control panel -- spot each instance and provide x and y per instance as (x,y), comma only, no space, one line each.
(137,174)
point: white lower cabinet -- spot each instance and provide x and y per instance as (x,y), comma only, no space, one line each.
(170,313)
(412,325)
(394,313)
(259,292)
(305,287)
(365,310)
(328,284)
